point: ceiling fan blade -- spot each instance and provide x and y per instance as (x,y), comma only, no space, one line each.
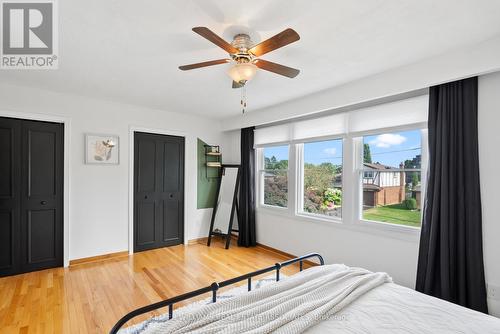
(204,64)
(277,68)
(237,84)
(214,38)
(277,41)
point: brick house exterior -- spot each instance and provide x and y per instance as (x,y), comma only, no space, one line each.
(381,186)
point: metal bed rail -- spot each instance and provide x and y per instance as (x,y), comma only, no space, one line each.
(213,288)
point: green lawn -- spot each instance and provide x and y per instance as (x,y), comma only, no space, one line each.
(395,214)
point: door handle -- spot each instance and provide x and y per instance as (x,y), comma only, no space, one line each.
(43,202)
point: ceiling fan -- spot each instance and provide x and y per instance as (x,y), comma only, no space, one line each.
(245,55)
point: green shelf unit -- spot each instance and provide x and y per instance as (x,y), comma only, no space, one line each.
(208,177)
(213,161)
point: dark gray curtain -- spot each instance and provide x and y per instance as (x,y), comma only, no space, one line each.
(450,262)
(247,190)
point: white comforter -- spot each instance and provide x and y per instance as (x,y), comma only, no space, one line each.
(391,309)
(290,306)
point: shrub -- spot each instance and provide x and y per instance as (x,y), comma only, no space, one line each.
(410,204)
(322,201)
(332,196)
(276,190)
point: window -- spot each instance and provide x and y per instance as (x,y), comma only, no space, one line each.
(393,192)
(274,176)
(361,168)
(322,178)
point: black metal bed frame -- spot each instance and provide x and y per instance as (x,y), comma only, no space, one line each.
(213,288)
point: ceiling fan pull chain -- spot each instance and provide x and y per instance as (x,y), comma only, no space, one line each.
(243,99)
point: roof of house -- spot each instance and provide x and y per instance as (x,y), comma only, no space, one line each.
(378,166)
(371,187)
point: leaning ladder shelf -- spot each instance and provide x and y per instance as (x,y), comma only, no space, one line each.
(213,288)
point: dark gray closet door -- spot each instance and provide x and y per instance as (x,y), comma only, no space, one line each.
(10,200)
(31,195)
(158,191)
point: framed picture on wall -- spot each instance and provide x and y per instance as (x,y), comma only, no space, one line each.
(102,149)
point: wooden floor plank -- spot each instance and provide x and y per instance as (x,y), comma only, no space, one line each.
(91,297)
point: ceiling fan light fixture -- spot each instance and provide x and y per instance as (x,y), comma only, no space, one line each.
(242,72)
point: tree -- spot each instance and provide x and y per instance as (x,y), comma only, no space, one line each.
(367,155)
(415,180)
(276,189)
(319,176)
(320,194)
(414,163)
(273,163)
(276,182)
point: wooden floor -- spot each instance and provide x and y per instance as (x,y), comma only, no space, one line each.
(90,298)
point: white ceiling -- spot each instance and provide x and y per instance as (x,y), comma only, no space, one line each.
(129,51)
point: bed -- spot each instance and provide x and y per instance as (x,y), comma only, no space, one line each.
(322,299)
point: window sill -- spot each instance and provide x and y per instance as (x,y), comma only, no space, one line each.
(390,227)
(406,233)
(273,207)
(315,217)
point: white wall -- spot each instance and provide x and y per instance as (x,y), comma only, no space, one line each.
(489,139)
(472,60)
(231,146)
(99,195)
(395,254)
(391,251)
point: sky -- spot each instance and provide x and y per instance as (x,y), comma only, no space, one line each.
(388,149)
(323,151)
(280,152)
(393,148)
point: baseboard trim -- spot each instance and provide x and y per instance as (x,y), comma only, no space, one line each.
(205,239)
(288,255)
(97,258)
(197,241)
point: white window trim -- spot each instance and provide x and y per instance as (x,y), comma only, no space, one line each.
(382,229)
(351,185)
